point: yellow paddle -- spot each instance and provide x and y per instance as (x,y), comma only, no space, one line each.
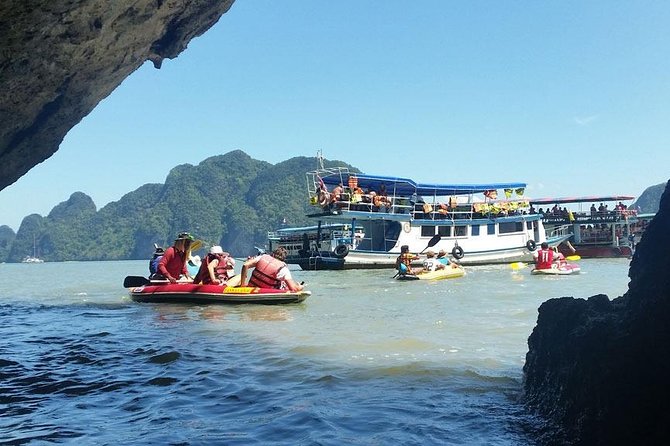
(517,265)
(573,258)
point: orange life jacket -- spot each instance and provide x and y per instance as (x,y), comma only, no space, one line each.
(265,273)
(221,271)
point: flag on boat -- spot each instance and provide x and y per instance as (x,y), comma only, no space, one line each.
(508,193)
(519,191)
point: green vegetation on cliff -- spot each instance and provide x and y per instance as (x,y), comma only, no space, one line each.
(231,200)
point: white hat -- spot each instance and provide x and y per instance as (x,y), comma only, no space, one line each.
(216,249)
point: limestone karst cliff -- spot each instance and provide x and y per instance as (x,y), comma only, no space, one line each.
(598,369)
(59,59)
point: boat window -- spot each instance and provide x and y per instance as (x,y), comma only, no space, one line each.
(512,226)
(491,228)
(529,225)
(444,231)
(475,230)
(427,231)
(460,231)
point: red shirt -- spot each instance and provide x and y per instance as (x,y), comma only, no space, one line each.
(173,263)
(544,259)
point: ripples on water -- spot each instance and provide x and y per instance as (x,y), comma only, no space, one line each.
(366,360)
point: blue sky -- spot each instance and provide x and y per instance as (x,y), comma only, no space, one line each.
(571,97)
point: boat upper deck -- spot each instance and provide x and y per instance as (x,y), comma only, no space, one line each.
(339,193)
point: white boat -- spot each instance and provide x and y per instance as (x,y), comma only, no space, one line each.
(33,258)
(318,247)
(30,259)
(475,230)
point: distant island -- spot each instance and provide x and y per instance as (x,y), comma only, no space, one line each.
(231,200)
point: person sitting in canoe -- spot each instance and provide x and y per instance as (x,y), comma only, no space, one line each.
(404,261)
(270,271)
(444,260)
(431,263)
(216,268)
(546,257)
(173,263)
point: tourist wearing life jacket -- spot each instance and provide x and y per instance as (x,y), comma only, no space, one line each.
(216,268)
(270,271)
(546,257)
(173,263)
(404,261)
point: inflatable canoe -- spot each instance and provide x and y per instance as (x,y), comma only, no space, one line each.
(438,274)
(556,270)
(190,293)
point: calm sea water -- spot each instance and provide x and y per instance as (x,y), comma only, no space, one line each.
(365,360)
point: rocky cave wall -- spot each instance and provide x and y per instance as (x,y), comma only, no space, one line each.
(59,59)
(599,370)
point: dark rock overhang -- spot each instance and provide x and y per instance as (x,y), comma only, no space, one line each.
(58,60)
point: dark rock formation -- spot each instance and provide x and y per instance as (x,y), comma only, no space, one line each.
(599,370)
(58,60)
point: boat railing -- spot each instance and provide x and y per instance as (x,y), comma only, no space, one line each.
(421,210)
(560,231)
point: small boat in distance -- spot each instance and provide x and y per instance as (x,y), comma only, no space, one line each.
(33,258)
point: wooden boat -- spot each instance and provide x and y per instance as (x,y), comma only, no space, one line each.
(438,274)
(189,293)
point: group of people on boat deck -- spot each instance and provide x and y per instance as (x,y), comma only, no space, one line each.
(217,267)
(546,257)
(432,262)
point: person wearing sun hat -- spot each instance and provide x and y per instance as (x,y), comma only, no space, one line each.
(216,268)
(443,260)
(173,264)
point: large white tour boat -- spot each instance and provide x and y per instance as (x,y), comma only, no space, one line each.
(387,212)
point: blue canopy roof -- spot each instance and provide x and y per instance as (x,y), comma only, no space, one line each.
(406,186)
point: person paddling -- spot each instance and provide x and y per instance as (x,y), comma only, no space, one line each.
(404,261)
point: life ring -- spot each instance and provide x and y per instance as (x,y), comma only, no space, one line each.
(531,245)
(457,252)
(341,251)
(406,227)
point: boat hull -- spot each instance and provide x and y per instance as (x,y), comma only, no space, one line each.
(190,293)
(440,274)
(597,251)
(563,270)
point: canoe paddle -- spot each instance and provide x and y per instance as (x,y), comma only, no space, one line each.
(432,242)
(135,281)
